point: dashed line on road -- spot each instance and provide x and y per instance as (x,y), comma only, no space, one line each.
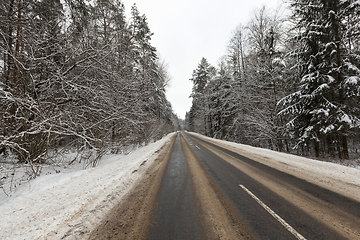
(197,147)
(272,213)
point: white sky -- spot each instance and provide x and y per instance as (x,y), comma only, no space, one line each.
(187,30)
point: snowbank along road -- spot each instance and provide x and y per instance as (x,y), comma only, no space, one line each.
(201,188)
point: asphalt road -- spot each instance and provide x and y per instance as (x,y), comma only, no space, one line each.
(270,204)
(177,216)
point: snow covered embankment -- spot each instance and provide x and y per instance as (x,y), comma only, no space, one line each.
(337,178)
(64,205)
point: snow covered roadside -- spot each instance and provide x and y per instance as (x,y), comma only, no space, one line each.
(338,178)
(67,204)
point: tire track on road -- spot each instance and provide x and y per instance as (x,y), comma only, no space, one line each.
(228,177)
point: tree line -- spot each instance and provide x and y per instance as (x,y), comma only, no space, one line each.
(78,74)
(286,84)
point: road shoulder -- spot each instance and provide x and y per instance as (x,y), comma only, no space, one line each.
(131,218)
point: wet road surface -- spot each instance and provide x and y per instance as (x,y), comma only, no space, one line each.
(177,215)
(263,224)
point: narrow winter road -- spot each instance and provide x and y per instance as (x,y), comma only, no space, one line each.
(273,204)
(201,190)
(177,214)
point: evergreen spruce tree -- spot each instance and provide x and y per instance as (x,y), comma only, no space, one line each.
(322,108)
(201,121)
(222,104)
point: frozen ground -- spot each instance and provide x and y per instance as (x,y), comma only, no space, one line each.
(335,177)
(15,177)
(66,202)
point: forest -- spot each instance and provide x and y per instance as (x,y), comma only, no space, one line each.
(78,74)
(288,83)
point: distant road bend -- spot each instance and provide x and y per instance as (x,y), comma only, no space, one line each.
(199,189)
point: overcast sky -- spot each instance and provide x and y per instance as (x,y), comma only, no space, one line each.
(187,30)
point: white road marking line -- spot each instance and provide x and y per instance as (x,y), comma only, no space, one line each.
(277,217)
(197,147)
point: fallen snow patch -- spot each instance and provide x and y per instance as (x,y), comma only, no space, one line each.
(69,204)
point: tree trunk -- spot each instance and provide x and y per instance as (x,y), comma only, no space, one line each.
(330,144)
(345,152)
(317,149)
(338,146)
(342,140)
(9,59)
(287,146)
(280,144)
(242,60)
(18,50)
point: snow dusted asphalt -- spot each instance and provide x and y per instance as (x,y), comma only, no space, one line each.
(70,204)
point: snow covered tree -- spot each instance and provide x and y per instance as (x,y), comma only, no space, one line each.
(242,97)
(263,85)
(324,109)
(236,53)
(33,55)
(76,74)
(199,114)
(222,103)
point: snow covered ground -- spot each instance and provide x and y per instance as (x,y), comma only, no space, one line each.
(67,204)
(335,177)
